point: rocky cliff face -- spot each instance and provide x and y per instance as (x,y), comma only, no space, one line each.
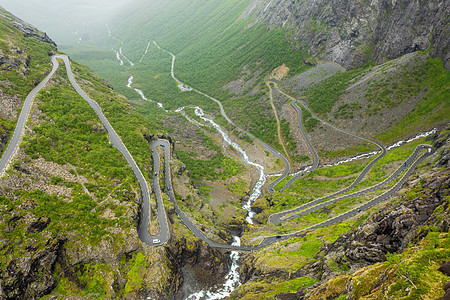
(27,29)
(351,32)
(390,230)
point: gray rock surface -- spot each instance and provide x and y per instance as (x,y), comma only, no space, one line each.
(352,32)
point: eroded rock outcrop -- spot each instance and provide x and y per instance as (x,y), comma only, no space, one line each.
(390,230)
(28,272)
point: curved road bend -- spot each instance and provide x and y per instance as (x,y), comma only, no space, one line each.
(276,218)
(317,204)
(380,198)
(274,152)
(273,239)
(194,229)
(310,145)
(144,224)
(114,138)
(13,145)
(279,133)
(143,230)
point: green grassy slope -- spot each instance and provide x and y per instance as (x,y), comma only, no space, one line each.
(69,194)
(211,50)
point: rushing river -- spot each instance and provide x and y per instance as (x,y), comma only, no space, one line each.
(257,189)
(393,146)
(232,280)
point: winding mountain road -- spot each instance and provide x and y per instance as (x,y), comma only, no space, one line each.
(280,137)
(275,153)
(164,235)
(412,161)
(13,145)
(115,140)
(318,203)
(279,217)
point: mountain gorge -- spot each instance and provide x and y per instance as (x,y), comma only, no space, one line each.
(298,149)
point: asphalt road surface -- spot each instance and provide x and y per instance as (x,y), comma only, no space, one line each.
(164,233)
(114,139)
(412,161)
(21,121)
(278,217)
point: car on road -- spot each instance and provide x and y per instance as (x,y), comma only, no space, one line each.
(359,209)
(168,187)
(156,174)
(156,241)
(162,145)
(152,150)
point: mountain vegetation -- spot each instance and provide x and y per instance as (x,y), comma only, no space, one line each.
(70,204)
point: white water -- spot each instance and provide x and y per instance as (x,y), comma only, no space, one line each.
(232,280)
(257,190)
(262,177)
(358,157)
(141,93)
(118,57)
(393,146)
(420,135)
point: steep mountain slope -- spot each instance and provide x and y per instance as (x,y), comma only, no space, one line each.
(352,32)
(227,48)
(69,203)
(23,63)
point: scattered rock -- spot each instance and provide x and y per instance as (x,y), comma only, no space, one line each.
(30,31)
(446,296)
(290,296)
(447,286)
(30,277)
(445,268)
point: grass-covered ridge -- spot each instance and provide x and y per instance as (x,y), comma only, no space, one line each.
(28,57)
(428,78)
(24,63)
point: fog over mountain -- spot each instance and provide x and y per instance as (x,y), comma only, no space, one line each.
(65,21)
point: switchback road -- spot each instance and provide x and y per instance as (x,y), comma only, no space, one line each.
(164,235)
(412,161)
(114,139)
(279,217)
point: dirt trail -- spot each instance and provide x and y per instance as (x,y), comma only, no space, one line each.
(280,138)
